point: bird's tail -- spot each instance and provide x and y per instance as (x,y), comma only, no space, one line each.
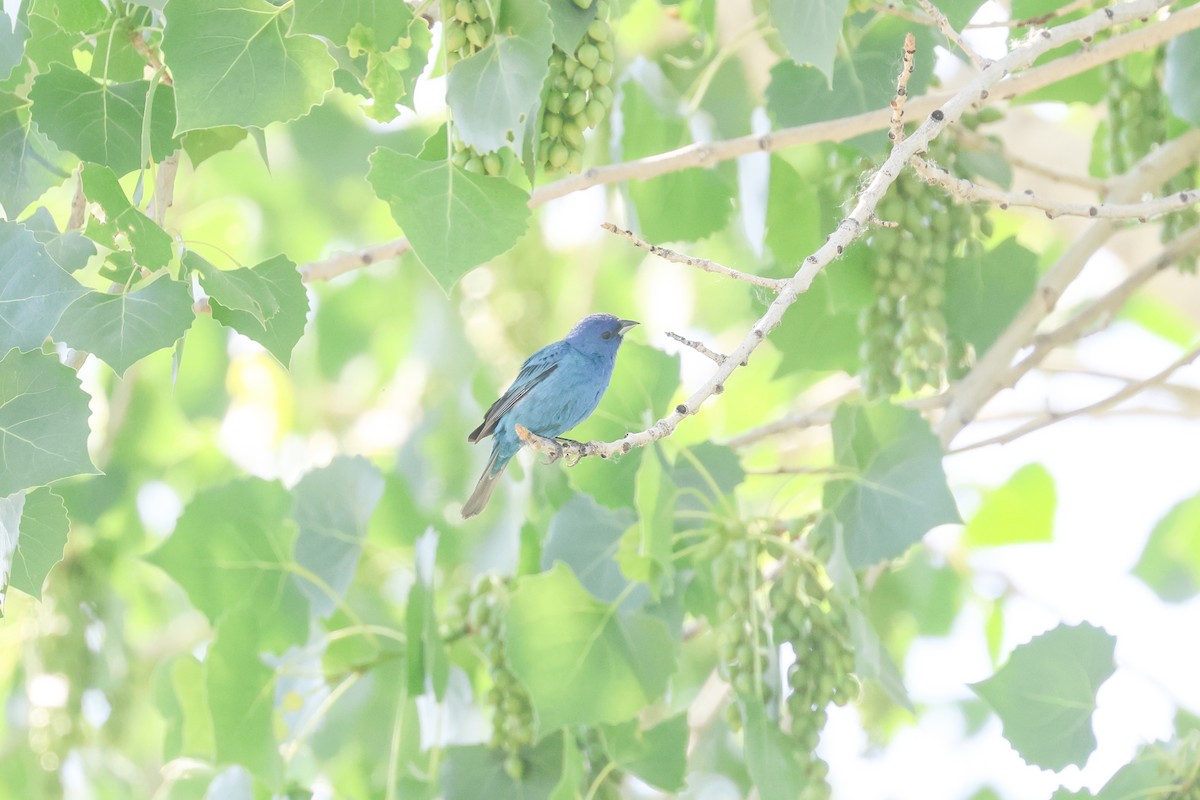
(487,482)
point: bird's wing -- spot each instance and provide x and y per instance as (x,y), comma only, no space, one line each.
(536,369)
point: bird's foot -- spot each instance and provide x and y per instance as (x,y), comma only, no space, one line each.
(570,450)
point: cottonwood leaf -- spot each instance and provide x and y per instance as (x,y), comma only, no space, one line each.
(570,22)
(29,162)
(1022,510)
(560,638)
(332,506)
(279,279)
(491,92)
(1170,562)
(657,755)
(770,756)
(123,223)
(124,328)
(233,63)
(585,536)
(898,492)
(240,289)
(1045,694)
(43,422)
(984,293)
(477,773)
(233,547)
(454,220)
(34,291)
(44,526)
(102,122)
(335,19)
(12,45)
(810,30)
(70,250)
(241,696)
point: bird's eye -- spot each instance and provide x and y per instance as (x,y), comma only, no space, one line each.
(606,335)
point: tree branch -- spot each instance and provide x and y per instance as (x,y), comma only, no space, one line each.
(943,25)
(1051,418)
(707,153)
(774,284)
(964,189)
(715,357)
(990,373)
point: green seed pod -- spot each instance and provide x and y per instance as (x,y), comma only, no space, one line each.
(598,30)
(476,35)
(584,4)
(552,124)
(603,72)
(572,134)
(576,102)
(595,112)
(557,57)
(483,9)
(558,155)
(492,164)
(574,163)
(604,94)
(607,51)
(588,55)
(562,84)
(456,37)
(554,103)
(474,165)
(569,67)
(584,77)
(463,12)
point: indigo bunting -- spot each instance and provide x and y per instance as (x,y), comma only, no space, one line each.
(557,388)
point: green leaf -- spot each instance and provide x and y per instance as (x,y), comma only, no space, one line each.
(43,422)
(240,289)
(793,219)
(681,206)
(70,250)
(657,755)
(560,639)
(232,547)
(34,291)
(29,162)
(44,526)
(1046,693)
(205,143)
(585,536)
(984,295)
(454,220)
(279,280)
(645,552)
(151,245)
(332,507)
(1022,510)
(570,22)
(1170,563)
(810,30)
(770,756)
(102,122)
(570,782)
(12,45)
(491,92)
(124,328)
(241,696)
(1183,65)
(182,699)
(899,491)
(335,19)
(233,63)
(478,773)
(862,81)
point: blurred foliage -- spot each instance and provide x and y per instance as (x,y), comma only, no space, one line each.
(232,563)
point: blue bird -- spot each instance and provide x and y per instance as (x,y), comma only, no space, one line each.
(557,388)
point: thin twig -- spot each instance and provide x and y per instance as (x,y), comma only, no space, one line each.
(896,128)
(702,154)
(774,284)
(1129,390)
(976,193)
(943,25)
(698,347)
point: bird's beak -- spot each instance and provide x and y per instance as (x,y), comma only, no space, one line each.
(626,326)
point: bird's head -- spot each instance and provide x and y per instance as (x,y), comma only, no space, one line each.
(599,334)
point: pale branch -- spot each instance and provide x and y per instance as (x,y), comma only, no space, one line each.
(856,223)
(774,284)
(896,130)
(947,30)
(713,356)
(964,189)
(702,154)
(1092,316)
(1131,389)
(990,373)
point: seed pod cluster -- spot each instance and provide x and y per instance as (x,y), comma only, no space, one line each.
(1138,117)
(579,94)
(743,637)
(807,615)
(467,27)
(512,710)
(492,164)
